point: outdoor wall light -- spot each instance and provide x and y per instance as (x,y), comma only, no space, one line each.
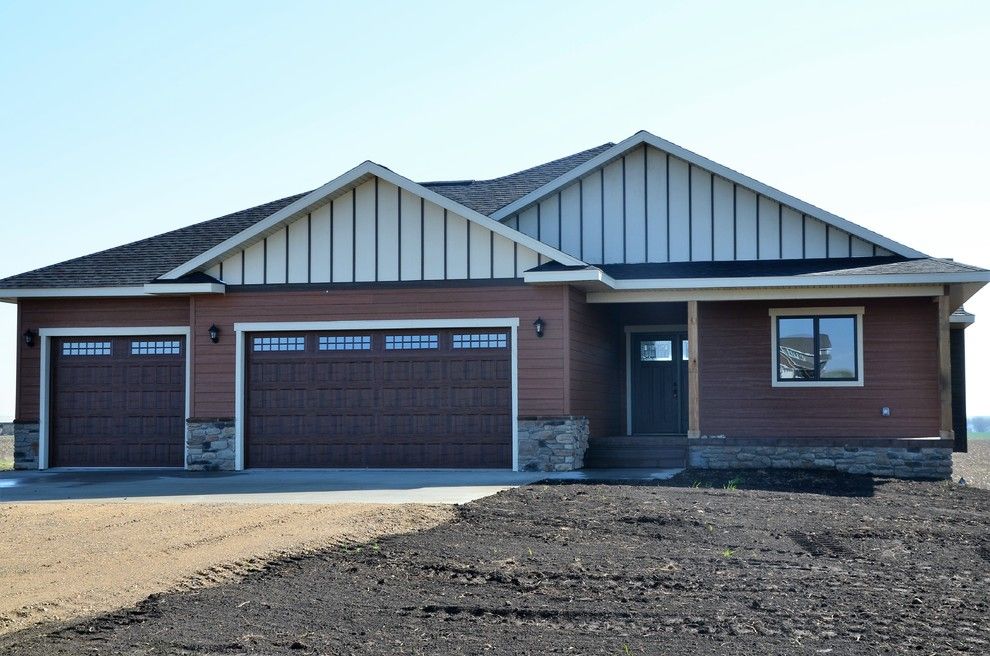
(214,334)
(539,324)
(29,337)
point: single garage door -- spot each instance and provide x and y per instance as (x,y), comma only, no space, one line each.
(426,398)
(117,402)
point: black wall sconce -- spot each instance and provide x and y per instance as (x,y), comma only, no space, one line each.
(29,337)
(539,325)
(214,334)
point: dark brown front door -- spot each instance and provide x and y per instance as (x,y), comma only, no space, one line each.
(658,379)
(118,402)
(423,398)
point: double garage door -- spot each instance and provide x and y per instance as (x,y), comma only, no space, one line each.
(426,398)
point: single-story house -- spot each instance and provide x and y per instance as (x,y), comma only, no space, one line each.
(634,304)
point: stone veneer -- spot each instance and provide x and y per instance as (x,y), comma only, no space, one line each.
(901,458)
(552,443)
(25,445)
(210,444)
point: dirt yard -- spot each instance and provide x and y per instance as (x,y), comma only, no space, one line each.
(731,563)
(65,560)
(974,466)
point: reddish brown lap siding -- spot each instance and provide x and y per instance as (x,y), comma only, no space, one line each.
(595,354)
(540,360)
(35,314)
(900,364)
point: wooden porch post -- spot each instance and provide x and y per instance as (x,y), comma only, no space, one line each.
(694,382)
(944,369)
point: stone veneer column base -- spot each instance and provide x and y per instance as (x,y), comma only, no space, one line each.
(900,458)
(26,445)
(210,444)
(552,443)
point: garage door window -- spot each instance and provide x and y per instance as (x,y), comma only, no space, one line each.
(155,348)
(482,340)
(279,343)
(345,343)
(408,342)
(86,348)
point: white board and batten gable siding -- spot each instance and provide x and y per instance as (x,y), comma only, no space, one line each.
(377,232)
(650,206)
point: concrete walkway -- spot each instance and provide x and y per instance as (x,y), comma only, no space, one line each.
(441,486)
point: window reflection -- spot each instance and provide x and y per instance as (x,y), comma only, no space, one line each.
(816,348)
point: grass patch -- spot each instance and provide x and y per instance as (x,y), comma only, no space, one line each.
(979,436)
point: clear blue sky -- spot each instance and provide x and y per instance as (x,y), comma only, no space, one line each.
(119,120)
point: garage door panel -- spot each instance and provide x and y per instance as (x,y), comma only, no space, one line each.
(118,401)
(380,399)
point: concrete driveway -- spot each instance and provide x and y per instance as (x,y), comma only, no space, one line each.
(432,486)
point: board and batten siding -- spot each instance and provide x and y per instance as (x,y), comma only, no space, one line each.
(650,206)
(377,232)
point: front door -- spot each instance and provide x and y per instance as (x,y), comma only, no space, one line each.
(659,382)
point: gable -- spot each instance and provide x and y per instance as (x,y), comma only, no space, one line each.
(649,205)
(376,231)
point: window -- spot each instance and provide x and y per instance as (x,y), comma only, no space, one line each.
(483,340)
(685,351)
(659,350)
(817,346)
(408,342)
(86,348)
(279,343)
(155,348)
(345,343)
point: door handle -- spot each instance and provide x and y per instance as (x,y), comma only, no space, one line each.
(675,389)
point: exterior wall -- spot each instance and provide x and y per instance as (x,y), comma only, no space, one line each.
(377,232)
(900,371)
(925,458)
(540,359)
(78,312)
(594,374)
(552,443)
(648,206)
(210,445)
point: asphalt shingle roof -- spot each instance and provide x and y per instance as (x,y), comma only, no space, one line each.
(488,196)
(844,266)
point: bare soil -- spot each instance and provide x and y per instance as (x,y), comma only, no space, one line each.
(974,466)
(709,563)
(65,560)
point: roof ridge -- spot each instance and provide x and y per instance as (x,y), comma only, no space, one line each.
(595,149)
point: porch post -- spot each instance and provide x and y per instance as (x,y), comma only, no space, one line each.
(694,381)
(944,368)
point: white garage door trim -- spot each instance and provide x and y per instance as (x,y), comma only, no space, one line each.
(45,335)
(391,324)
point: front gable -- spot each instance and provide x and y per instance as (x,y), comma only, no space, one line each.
(648,201)
(372,225)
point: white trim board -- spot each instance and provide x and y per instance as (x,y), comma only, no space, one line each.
(644,137)
(349,179)
(45,336)
(241,330)
(758,294)
(150,289)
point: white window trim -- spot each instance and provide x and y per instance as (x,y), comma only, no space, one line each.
(45,336)
(241,330)
(857,311)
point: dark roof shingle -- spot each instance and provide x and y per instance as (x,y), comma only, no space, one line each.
(488,196)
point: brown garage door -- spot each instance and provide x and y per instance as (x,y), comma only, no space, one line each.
(426,398)
(118,402)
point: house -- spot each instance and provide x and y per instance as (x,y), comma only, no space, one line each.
(634,304)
